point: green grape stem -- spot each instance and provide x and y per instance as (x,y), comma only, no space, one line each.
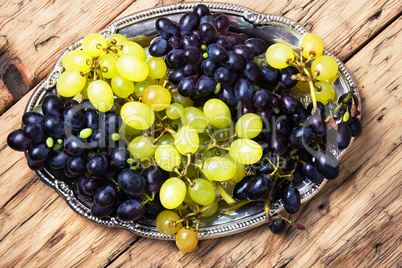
(227,197)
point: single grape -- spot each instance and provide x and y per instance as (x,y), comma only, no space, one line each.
(201,10)
(216,53)
(211,210)
(187,86)
(355,126)
(33,133)
(175,42)
(132,67)
(186,239)
(208,33)
(134,48)
(108,66)
(240,190)
(185,101)
(159,48)
(259,187)
(119,156)
(261,98)
(311,173)
(137,115)
(195,118)
(172,193)
(33,118)
(74,145)
(91,185)
(131,182)
(311,42)
(167,157)
(187,140)
(116,39)
(233,62)
(59,159)
(222,24)
(245,151)
(208,18)
(218,113)
(208,66)
(94,44)
(141,147)
(39,152)
(97,164)
(244,52)
(165,139)
(157,97)
(176,76)
(70,83)
(235,38)
(252,71)
(219,168)
(248,126)
(101,95)
(51,105)
(202,192)
(277,226)
(77,59)
(101,212)
(106,196)
(154,178)
(205,86)
(165,220)
(288,103)
(130,210)
(121,86)
(257,45)
(166,28)
(324,91)
(174,111)
(77,165)
(278,54)
(244,90)
(224,42)
(17,141)
(74,118)
(344,136)
(191,40)
(140,86)
(285,77)
(291,200)
(324,68)
(157,67)
(279,144)
(327,164)
(300,136)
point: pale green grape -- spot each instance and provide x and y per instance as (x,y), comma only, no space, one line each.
(157,67)
(132,67)
(324,68)
(172,193)
(167,157)
(70,83)
(324,92)
(141,147)
(219,168)
(187,140)
(164,222)
(157,97)
(137,115)
(195,118)
(108,66)
(174,111)
(116,39)
(303,86)
(245,151)
(165,139)
(249,126)
(128,131)
(211,210)
(185,101)
(311,43)
(101,95)
(130,47)
(77,59)
(278,54)
(140,86)
(218,113)
(93,44)
(202,192)
(121,86)
(240,171)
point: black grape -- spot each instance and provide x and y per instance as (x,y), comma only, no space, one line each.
(166,28)
(77,165)
(223,24)
(192,55)
(159,48)
(252,71)
(291,200)
(327,164)
(208,33)
(244,52)
(257,45)
(234,62)
(33,133)
(344,136)
(51,105)
(106,196)
(186,86)
(54,126)
(240,190)
(244,90)
(131,182)
(205,86)
(259,187)
(285,77)
(201,10)
(74,145)
(59,159)
(216,53)
(39,152)
(97,164)
(208,66)
(188,23)
(130,210)
(175,59)
(32,118)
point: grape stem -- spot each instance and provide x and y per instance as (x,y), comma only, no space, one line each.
(267,203)
(228,199)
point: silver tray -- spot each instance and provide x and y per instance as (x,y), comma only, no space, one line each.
(140,28)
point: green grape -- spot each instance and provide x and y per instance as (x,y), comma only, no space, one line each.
(325,91)
(94,44)
(141,147)
(324,68)
(174,111)
(219,168)
(164,222)
(192,171)
(185,101)
(303,86)
(70,83)
(187,140)
(125,130)
(176,124)
(211,210)
(311,43)
(108,66)
(248,126)
(116,39)
(195,118)
(245,151)
(140,86)
(132,67)
(157,97)
(130,47)
(202,192)
(121,86)
(165,139)
(278,54)
(157,67)
(101,95)
(167,157)
(172,193)
(137,115)
(218,113)
(240,171)
(186,239)
(77,59)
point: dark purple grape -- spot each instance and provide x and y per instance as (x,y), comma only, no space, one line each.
(320,108)
(275,101)
(130,210)
(119,156)
(166,28)
(201,10)
(210,19)
(59,159)
(248,108)
(175,59)
(186,86)
(188,23)
(240,190)
(54,126)
(91,119)
(298,175)
(216,53)
(291,200)
(77,165)
(265,166)
(159,48)
(261,98)
(32,118)
(299,116)
(283,125)
(300,136)
(190,69)
(176,76)
(223,24)
(51,105)
(193,55)
(244,52)
(311,173)
(224,42)
(285,77)
(111,172)
(277,226)
(259,187)
(67,176)
(208,33)
(191,40)
(222,75)
(74,145)
(155,207)
(208,66)
(244,90)
(234,62)
(279,144)
(112,123)
(39,152)
(97,164)
(33,133)
(205,86)
(154,178)
(355,126)
(101,212)
(98,139)
(74,118)
(91,185)
(344,136)
(318,124)
(270,74)
(81,185)
(235,38)
(35,165)
(265,115)
(106,196)
(227,95)
(252,71)
(70,103)
(131,182)
(257,45)
(175,42)
(288,103)
(327,164)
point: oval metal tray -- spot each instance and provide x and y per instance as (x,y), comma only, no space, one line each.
(139,27)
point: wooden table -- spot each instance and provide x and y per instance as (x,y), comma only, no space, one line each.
(355,221)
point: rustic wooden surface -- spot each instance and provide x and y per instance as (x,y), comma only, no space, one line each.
(353,222)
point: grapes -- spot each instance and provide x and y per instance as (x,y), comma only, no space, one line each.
(278,54)
(344,136)
(32,118)
(202,192)
(285,77)
(195,118)
(219,168)
(208,33)
(59,159)
(216,53)
(130,210)
(119,156)
(76,165)
(217,113)
(188,22)
(165,220)
(291,200)
(140,86)
(327,165)
(324,68)
(116,39)
(166,28)
(156,97)
(137,115)
(157,67)
(97,164)
(174,111)
(121,86)
(244,90)
(277,226)
(141,147)
(187,140)
(93,44)
(132,67)
(167,157)
(131,182)
(311,43)
(101,95)
(245,151)
(159,48)
(259,187)
(172,193)
(39,152)
(186,239)
(130,47)
(77,59)
(70,83)
(324,92)
(154,178)
(257,45)
(108,66)
(17,141)
(248,126)
(33,133)
(105,196)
